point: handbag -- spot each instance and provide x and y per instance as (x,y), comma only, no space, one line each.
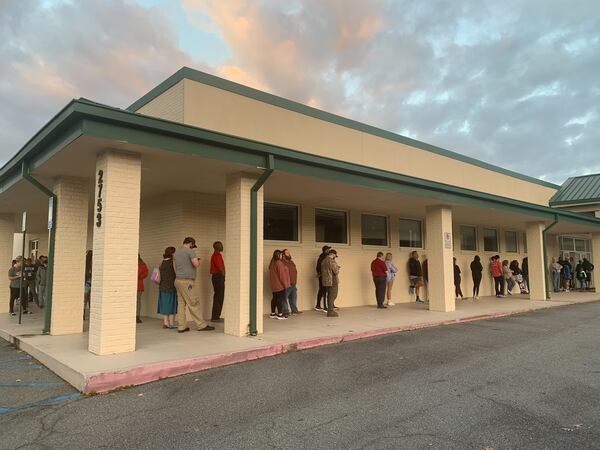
(155,277)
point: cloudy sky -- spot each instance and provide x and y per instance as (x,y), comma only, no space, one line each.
(514,82)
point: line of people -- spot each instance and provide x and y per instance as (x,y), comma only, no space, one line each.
(565,277)
(30,274)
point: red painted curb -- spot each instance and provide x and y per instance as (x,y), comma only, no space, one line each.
(104,382)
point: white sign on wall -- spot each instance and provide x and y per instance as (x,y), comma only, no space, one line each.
(448,240)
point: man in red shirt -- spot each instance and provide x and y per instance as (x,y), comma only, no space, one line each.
(379,272)
(217,271)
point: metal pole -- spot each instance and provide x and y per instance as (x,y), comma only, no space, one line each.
(21,280)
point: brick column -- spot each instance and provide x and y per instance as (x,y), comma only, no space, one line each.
(116,243)
(7,232)
(535,259)
(438,224)
(237,254)
(69,255)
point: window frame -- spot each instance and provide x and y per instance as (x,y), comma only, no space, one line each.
(422,230)
(346,212)
(497,240)
(476,237)
(516,241)
(298,222)
(387,230)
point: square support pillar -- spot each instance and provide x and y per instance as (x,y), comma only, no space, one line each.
(115,253)
(237,254)
(535,259)
(438,224)
(69,255)
(7,233)
(596,261)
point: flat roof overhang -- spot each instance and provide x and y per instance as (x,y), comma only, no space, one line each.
(83,118)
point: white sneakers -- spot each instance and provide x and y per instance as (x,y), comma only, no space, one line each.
(390,303)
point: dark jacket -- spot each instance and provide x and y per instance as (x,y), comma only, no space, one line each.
(414,268)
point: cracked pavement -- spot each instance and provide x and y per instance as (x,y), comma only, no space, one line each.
(528,381)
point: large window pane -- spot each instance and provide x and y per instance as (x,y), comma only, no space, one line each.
(331,226)
(280,222)
(510,241)
(468,238)
(580,245)
(374,230)
(490,240)
(525,242)
(410,233)
(567,243)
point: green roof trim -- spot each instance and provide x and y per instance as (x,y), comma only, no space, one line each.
(221,83)
(578,191)
(85,118)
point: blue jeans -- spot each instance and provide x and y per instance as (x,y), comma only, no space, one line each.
(510,284)
(291,296)
(556,280)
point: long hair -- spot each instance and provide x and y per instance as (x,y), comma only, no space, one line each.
(169,251)
(276,256)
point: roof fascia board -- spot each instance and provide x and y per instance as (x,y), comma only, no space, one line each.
(230,148)
(211,80)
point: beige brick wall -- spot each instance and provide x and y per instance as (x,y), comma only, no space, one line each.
(69,256)
(116,244)
(165,221)
(7,228)
(168,105)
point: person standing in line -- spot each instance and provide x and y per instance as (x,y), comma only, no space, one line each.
(415,274)
(588,267)
(566,275)
(555,267)
(525,270)
(580,274)
(167,294)
(291,293)
(425,267)
(497,274)
(217,274)
(29,279)
(391,275)
(279,279)
(457,280)
(518,277)
(379,273)
(41,281)
(141,276)
(14,275)
(476,270)
(322,292)
(185,263)
(330,273)
(87,289)
(509,279)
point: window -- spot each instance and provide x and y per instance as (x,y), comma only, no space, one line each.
(567,243)
(579,245)
(374,230)
(490,240)
(510,241)
(468,238)
(34,246)
(331,226)
(525,242)
(410,233)
(280,222)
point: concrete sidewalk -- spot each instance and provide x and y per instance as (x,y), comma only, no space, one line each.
(166,353)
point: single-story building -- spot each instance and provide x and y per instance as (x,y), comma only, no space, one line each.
(205,157)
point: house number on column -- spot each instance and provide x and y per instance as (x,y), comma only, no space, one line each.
(99,202)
